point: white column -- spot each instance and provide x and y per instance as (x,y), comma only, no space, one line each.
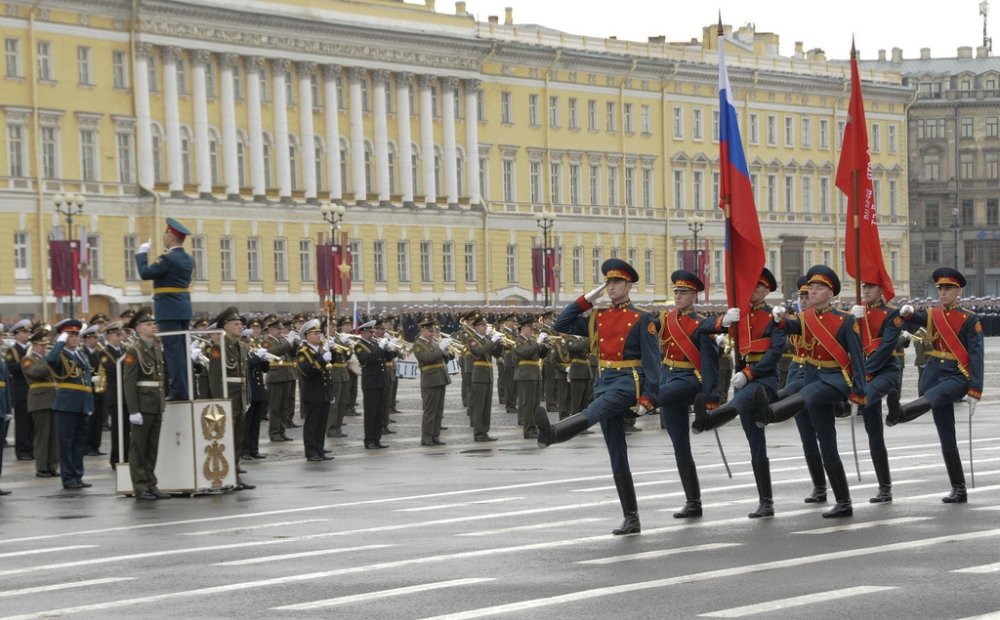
(355,75)
(203,158)
(427,138)
(381,138)
(405,139)
(448,113)
(144,130)
(279,70)
(255,64)
(330,73)
(472,140)
(230,168)
(171,111)
(308,157)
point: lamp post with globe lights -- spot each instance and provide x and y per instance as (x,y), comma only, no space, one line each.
(333,214)
(70,205)
(545,220)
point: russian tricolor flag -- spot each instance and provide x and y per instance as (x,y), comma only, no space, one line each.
(744,246)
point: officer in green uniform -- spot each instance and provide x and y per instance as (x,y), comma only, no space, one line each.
(41,394)
(143,384)
(432,357)
(341,351)
(482,348)
(234,375)
(280,378)
(529,351)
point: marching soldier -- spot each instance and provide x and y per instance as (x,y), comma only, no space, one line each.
(341,376)
(529,353)
(482,348)
(143,382)
(41,395)
(171,274)
(95,426)
(110,355)
(758,371)
(235,377)
(372,357)
(690,371)
(280,379)
(73,403)
(313,359)
(629,376)
(834,370)
(465,361)
(506,386)
(389,364)
(432,357)
(18,392)
(954,370)
(881,336)
(548,388)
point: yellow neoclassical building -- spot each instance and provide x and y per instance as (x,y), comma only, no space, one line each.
(445,139)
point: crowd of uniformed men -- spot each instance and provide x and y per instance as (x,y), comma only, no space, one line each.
(609,364)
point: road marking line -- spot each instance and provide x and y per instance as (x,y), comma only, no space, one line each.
(304,554)
(536,526)
(863,526)
(981,569)
(63,586)
(498,500)
(795,601)
(13,554)
(632,587)
(251,527)
(993,615)
(371,596)
(650,555)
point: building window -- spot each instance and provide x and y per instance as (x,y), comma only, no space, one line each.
(715,126)
(448,260)
(591,115)
(992,127)
(992,168)
(182,86)
(22,255)
(789,194)
(644,120)
(806,195)
(892,138)
(533,110)
(678,189)
(293,163)
(629,186)
(241,162)
(154,84)
(213,157)
(45,69)
(12,53)
(772,192)
(470,261)
(119,69)
(965,128)
(16,146)
(993,212)
(480,106)
(357,260)
(484,180)
(253,259)
(574,184)
(512,264)
(595,184)
(931,167)
(715,191)
(612,186)
(126,163)
(596,258)
(968,213)
(650,254)
(403,261)
(554,112)
(824,133)
(807,133)
(506,113)
(772,130)
(696,124)
(508,180)
(824,195)
(754,129)
(380,260)
(305,260)
(932,252)
(280,260)
(572,114)
(129,245)
(647,188)
(94,262)
(611,114)
(789,131)
(932,215)
(627,118)
(967,165)
(210,80)
(226,259)
(875,138)
(50,153)
(577,264)
(426,267)
(88,155)
(678,123)
(556,182)
(697,190)
(535,181)
(200,257)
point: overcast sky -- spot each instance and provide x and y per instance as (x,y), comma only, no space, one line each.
(940,25)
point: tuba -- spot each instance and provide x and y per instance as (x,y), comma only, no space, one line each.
(100,379)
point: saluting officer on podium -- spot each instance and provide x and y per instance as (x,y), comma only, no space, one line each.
(171,274)
(954,370)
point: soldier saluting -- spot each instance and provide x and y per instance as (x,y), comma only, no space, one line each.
(629,375)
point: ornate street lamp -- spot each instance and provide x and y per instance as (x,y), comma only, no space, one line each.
(333,214)
(545,221)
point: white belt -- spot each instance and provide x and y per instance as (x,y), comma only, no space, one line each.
(155,384)
(234,379)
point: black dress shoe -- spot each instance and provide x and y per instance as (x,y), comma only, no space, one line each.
(84,485)
(429,444)
(25,457)
(158,494)
(240,470)
(72,485)
(292,425)
(438,442)
(532,434)
(314,459)
(259,456)
(327,457)
(44,474)
(92,453)
(388,431)
(245,486)
(485,438)
(145,496)
(326,451)
(444,428)
(2,492)
(339,435)
(380,445)
(371,446)
(246,457)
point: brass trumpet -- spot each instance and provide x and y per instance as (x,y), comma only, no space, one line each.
(455,347)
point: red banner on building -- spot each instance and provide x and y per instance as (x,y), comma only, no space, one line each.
(541,279)
(64,262)
(328,275)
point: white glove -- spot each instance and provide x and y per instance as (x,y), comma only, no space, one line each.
(445,343)
(641,411)
(290,337)
(778,313)
(731,316)
(595,294)
(261,353)
(490,330)
(905,335)
(972,405)
(720,340)
(90,413)
(541,337)
(906,311)
(858,311)
(496,336)
(195,354)
(135,419)
(63,337)
(247,332)
(144,249)
(568,380)
(738,381)
(327,356)
(8,417)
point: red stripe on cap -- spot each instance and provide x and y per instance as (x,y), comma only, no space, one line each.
(618,273)
(821,279)
(948,281)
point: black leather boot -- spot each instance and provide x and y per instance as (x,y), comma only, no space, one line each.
(780,410)
(692,491)
(880,461)
(561,431)
(904,413)
(838,482)
(705,420)
(815,464)
(630,506)
(762,475)
(958,495)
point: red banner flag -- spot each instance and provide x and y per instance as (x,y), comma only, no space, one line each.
(540,279)
(328,276)
(64,262)
(854,178)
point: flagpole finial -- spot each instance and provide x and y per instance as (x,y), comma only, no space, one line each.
(720,23)
(854,51)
